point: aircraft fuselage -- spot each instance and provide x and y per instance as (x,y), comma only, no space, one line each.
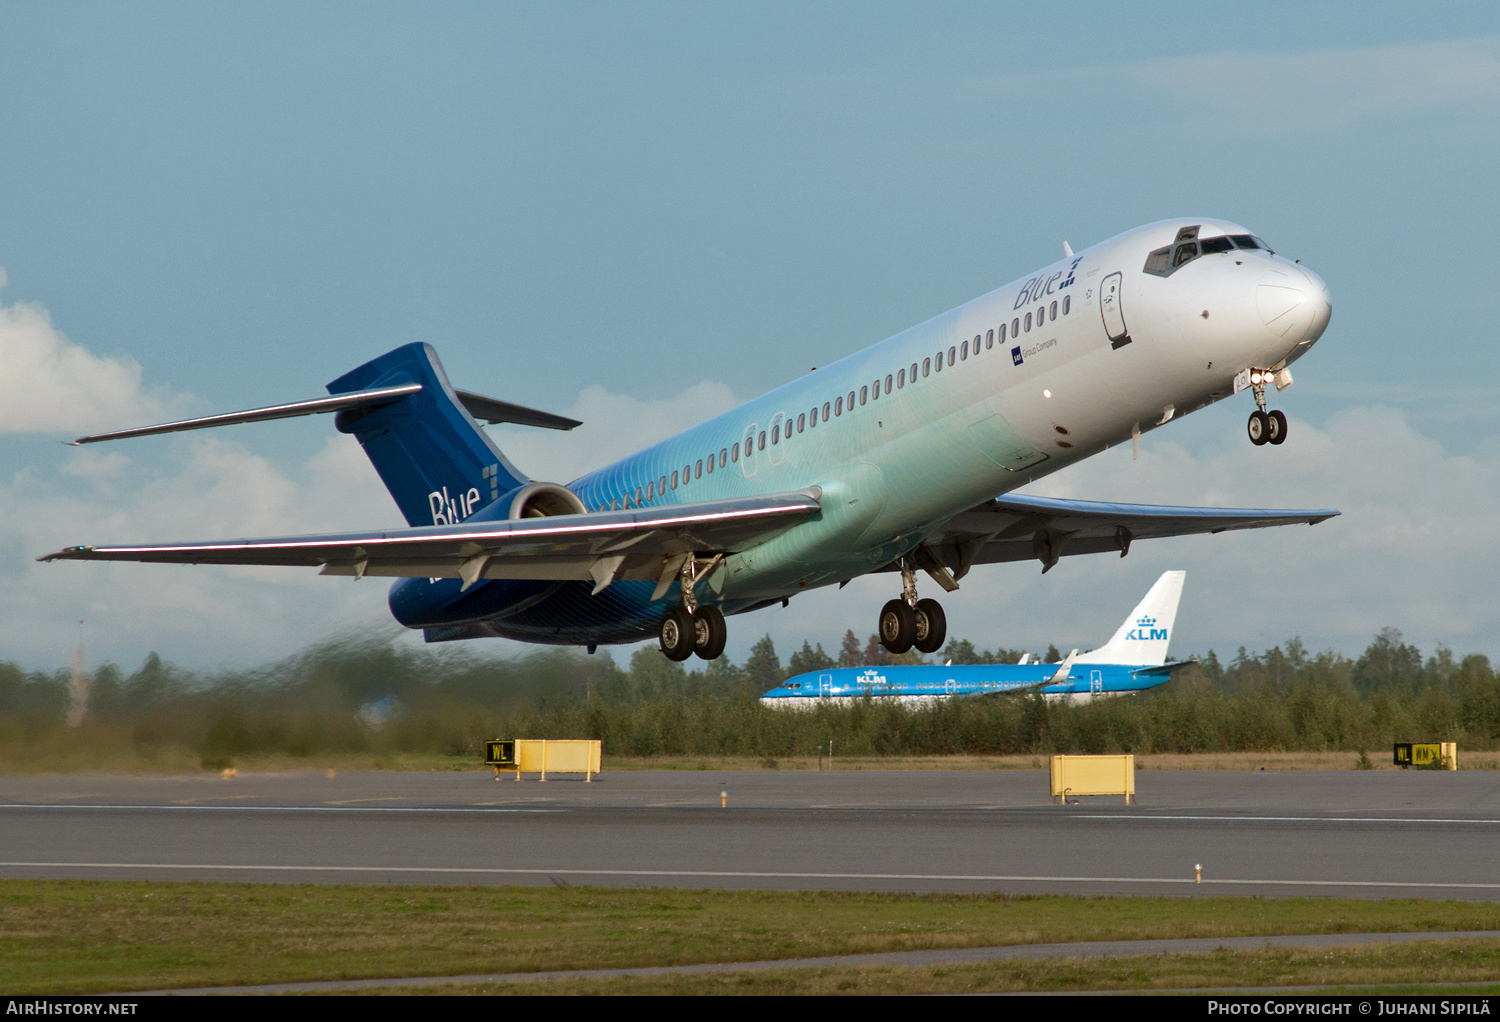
(1079,356)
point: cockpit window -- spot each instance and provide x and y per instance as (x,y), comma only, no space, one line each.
(1187,246)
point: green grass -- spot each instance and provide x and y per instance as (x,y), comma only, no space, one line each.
(91,936)
(1428,967)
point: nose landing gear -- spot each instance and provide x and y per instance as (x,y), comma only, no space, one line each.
(1265,427)
(909,622)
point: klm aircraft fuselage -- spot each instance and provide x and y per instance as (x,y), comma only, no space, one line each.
(895,458)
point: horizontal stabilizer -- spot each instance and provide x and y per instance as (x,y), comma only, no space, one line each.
(316,406)
(487,409)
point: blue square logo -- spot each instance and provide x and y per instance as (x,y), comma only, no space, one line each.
(1015,354)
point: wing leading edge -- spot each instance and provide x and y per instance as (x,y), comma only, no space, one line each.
(1022,528)
(646,543)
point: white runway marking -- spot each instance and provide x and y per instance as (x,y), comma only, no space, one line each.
(1278,819)
(738,875)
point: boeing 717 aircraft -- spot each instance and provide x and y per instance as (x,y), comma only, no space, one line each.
(899,458)
(1133,660)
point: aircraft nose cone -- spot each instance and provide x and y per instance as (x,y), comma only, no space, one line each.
(1296,308)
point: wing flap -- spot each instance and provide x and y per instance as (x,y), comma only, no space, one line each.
(565,547)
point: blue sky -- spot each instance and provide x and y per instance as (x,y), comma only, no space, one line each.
(638,214)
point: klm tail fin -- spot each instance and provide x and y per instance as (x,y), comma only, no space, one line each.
(1143,638)
(438,464)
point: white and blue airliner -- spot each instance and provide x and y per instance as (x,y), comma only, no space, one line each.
(903,457)
(1133,660)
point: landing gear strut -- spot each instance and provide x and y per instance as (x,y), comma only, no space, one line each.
(690,629)
(1264,427)
(909,622)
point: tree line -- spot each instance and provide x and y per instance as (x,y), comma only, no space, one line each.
(373,695)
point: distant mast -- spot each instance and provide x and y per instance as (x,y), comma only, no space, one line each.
(78,686)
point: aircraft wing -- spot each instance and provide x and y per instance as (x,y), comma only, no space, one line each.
(644,543)
(1021,528)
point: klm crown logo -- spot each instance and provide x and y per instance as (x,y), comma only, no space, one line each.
(1145,630)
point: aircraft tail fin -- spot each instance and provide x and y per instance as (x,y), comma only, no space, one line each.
(1144,636)
(430,452)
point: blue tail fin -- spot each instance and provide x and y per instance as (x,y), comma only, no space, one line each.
(433,457)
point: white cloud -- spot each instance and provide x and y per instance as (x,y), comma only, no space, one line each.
(48,384)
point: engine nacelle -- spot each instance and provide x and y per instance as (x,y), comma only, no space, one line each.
(543,500)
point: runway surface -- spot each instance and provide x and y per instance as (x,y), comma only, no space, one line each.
(1359,834)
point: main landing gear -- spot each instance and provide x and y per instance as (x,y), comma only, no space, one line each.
(1264,427)
(909,622)
(690,629)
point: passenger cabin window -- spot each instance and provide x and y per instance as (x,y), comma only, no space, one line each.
(875,391)
(1067,304)
(760,441)
(951,353)
(734,451)
(965,354)
(1054,312)
(900,379)
(1015,327)
(838,406)
(914,372)
(801,421)
(638,496)
(937,362)
(674,479)
(1002,332)
(851,401)
(651,491)
(888,379)
(989,338)
(864,394)
(825,411)
(926,367)
(776,433)
(1028,322)
(698,469)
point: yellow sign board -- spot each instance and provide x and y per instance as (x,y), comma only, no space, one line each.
(1427,755)
(539,755)
(1093,775)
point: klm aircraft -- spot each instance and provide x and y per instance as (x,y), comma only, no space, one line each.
(900,458)
(1133,660)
